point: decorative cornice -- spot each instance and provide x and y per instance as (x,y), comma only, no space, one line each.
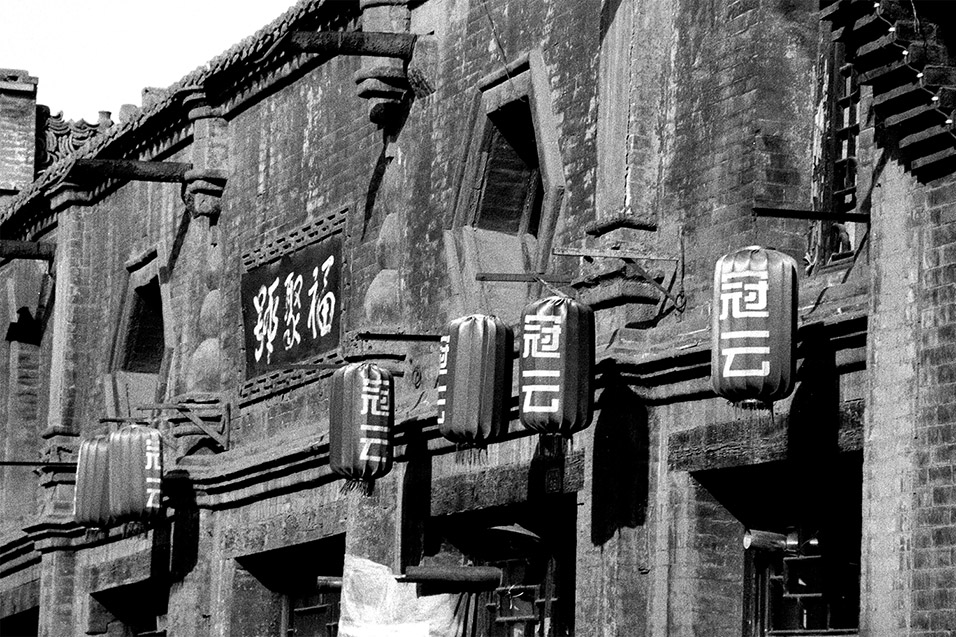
(17,553)
(58,138)
(161,125)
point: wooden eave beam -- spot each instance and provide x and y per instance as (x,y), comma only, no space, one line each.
(33,250)
(392,45)
(129,169)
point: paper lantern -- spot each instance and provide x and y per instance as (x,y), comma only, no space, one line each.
(754,322)
(556,365)
(474,380)
(361,419)
(136,473)
(91,498)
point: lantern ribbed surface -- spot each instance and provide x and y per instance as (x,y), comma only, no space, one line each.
(361,420)
(136,471)
(753,326)
(91,506)
(556,365)
(474,380)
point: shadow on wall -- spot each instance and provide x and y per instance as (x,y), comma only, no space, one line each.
(416,497)
(814,418)
(621,441)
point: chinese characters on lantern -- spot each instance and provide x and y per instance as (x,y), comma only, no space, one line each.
(744,295)
(154,472)
(443,377)
(290,307)
(541,386)
(375,402)
(556,365)
(754,326)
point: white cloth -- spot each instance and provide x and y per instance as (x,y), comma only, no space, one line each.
(375,605)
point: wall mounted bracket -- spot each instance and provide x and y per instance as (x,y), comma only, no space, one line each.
(631,258)
(199,412)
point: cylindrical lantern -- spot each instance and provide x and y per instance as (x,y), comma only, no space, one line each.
(754,321)
(91,498)
(361,419)
(556,365)
(136,473)
(474,380)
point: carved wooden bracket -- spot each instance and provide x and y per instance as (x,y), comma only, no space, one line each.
(201,413)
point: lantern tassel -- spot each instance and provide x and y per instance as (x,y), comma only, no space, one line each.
(365,487)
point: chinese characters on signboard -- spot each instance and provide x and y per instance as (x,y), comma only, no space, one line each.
(474,380)
(291,307)
(555,366)
(361,417)
(754,321)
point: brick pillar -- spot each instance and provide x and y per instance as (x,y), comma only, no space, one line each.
(890,433)
(57,575)
(18,121)
(207,179)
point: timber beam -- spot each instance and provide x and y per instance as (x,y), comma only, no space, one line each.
(128,169)
(32,250)
(392,45)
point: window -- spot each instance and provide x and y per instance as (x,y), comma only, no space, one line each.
(139,341)
(803,578)
(835,180)
(510,192)
(810,590)
(511,189)
(534,546)
(129,610)
(312,609)
(144,346)
(24,623)
(293,591)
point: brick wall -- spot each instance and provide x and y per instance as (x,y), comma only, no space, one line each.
(18,119)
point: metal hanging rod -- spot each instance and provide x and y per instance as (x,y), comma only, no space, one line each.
(810,215)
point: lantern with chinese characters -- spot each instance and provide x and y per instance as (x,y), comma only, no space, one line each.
(136,473)
(555,366)
(91,498)
(474,380)
(753,325)
(361,418)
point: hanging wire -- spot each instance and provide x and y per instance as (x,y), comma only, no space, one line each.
(494,32)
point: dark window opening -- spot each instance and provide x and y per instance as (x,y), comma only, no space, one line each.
(534,546)
(307,580)
(131,610)
(809,582)
(511,186)
(144,345)
(24,624)
(835,241)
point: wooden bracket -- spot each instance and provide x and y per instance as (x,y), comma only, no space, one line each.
(128,169)
(631,257)
(189,411)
